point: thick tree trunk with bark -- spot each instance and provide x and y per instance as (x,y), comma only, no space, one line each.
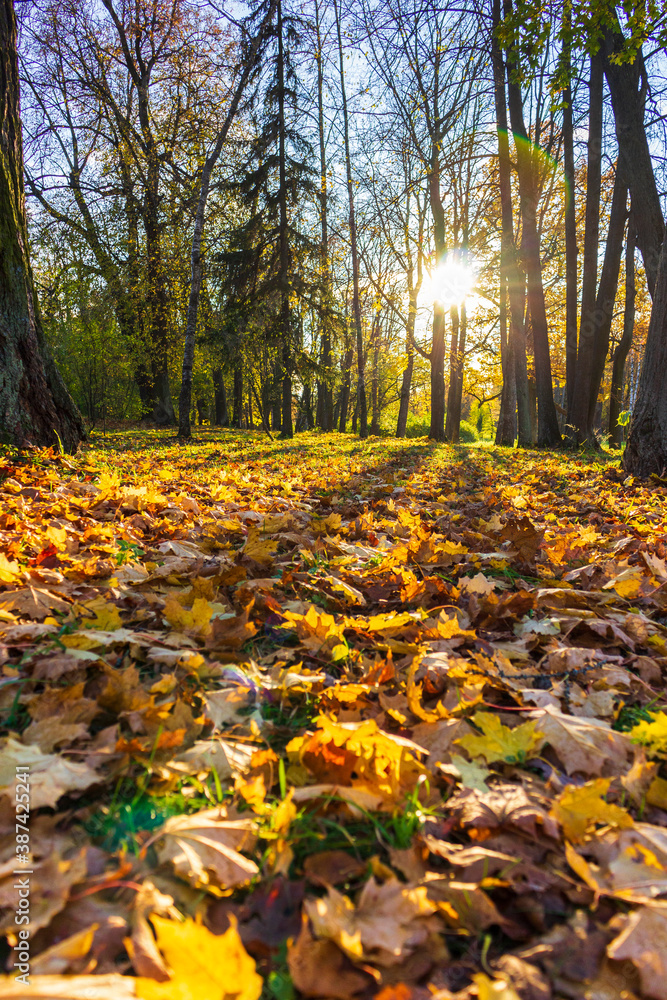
(607,289)
(576,405)
(571,297)
(325,414)
(596,325)
(437,428)
(646,451)
(517,371)
(286,425)
(623,346)
(548,433)
(627,86)
(35,406)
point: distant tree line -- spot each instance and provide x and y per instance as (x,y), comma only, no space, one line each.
(275,222)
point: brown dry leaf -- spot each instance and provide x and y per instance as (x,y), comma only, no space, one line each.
(68,956)
(51,775)
(32,602)
(464,905)
(50,883)
(643,941)
(226,708)
(141,946)
(332,867)
(49,734)
(388,923)
(587,746)
(104,987)
(231,631)
(203,848)
(320,969)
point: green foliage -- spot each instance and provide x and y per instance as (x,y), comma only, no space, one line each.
(467,433)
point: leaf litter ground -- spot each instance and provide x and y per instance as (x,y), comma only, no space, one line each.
(332,719)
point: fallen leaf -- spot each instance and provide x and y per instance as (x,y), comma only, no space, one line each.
(643,941)
(204,847)
(579,810)
(499,742)
(204,966)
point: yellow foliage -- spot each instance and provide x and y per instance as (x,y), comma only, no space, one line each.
(579,810)
(499,742)
(197,620)
(652,735)
(205,966)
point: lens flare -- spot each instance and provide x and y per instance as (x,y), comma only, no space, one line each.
(453,280)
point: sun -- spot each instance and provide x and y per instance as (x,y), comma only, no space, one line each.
(452,281)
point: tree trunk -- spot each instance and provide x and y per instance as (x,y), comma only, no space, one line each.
(375,377)
(237,403)
(356,302)
(413,295)
(196,257)
(453,374)
(286,425)
(623,347)
(596,326)
(324,407)
(146,389)
(577,408)
(35,406)
(506,429)
(571,252)
(460,360)
(548,434)
(607,289)
(345,389)
(627,86)
(437,428)
(221,414)
(508,266)
(406,381)
(646,451)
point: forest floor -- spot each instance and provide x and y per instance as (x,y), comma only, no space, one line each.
(331,718)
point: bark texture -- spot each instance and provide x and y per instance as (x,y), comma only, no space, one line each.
(623,347)
(646,451)
(35,406)
(627,86)
(548,433)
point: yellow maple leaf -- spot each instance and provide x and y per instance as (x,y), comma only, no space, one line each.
(652,735)
(628,587)
(358,755)
(578,810)
(260,550)
(205,966)
(9,570)
(499,742)
(106,617)
(196,620)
